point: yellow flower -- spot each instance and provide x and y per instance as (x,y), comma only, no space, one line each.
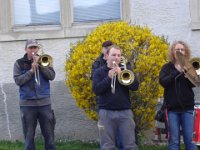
(146,53)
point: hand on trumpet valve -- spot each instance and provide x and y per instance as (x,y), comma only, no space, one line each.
(114,71)
(117,70)
(35,57)
(111,73)
(34,64)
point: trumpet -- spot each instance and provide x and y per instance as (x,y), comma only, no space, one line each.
(125,77)
(113,79)
(43,61)
(190,67)
(196,64)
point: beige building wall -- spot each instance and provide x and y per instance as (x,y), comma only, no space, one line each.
(174,19)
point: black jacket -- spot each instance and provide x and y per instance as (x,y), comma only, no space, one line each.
(99,62)
(178,92)
(102,88)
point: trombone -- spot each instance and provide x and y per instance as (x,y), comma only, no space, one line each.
(191,68)
(196,64)
(125,77)
(43,61)
(113,80)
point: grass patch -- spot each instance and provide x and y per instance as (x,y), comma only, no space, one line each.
(71,145)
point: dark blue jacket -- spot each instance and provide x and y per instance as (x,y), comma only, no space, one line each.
(99,62)
(28,88)
(102,88)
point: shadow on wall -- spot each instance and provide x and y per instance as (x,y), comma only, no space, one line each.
(71,122)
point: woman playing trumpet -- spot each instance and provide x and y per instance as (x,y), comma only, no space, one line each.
(115,115)
(179,97)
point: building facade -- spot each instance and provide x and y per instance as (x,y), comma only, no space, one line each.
(56,24)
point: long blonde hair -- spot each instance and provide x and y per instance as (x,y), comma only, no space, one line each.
(171,50)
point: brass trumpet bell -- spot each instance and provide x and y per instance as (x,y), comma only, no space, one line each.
(126,77)
(45,60)
(196,64)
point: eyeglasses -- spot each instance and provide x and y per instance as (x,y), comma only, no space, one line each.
(33,47)
(180,49)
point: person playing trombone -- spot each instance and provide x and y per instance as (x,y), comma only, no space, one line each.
(115,115)
(179,96)
(34,92)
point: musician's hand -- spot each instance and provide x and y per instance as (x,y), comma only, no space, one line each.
(111,73)
(33,67)
(118,70)
(35,58)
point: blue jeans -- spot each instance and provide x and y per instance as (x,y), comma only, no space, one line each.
(30,116)
(185,120)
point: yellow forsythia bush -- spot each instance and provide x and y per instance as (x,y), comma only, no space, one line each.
(145,51)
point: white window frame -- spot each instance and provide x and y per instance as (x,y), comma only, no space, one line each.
(195,14)
(67,29)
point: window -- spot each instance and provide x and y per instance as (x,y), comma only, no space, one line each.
(96,10)
(195,14)
(36,12)
(22,19)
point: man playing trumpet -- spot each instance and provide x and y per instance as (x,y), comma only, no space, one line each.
(115,115)
(35,102)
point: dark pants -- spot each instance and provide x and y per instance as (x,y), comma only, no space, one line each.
(116,128)
(30,116)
